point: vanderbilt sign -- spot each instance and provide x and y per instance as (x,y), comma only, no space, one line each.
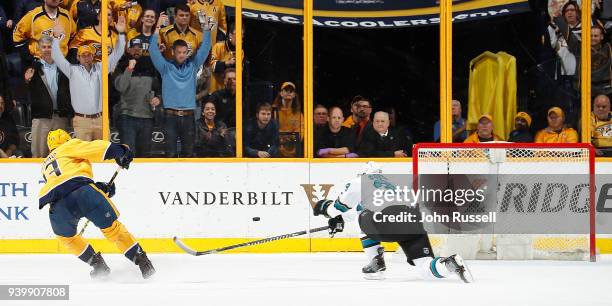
(207,198)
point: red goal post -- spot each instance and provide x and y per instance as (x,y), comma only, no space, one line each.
(575,157)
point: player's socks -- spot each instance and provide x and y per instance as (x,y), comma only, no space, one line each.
(431,267)
(443,267)
(370,247)
(118,234)
(374,270)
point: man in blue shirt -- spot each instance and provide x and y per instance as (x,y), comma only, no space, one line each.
(179,89)
(459,131)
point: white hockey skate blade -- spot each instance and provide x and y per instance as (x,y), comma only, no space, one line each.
(466,275)
(374,276)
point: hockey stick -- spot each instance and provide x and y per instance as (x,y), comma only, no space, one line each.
(109,183)
(193,252)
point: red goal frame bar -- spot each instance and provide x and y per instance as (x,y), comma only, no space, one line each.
(514,145)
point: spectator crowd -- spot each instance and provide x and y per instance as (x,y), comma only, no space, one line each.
(172,67)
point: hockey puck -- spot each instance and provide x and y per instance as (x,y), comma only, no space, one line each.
(256,218)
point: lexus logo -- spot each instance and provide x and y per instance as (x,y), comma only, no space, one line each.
(157,137)
(114,137)
(28,137)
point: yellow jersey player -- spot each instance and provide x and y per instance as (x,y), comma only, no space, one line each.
(72,194)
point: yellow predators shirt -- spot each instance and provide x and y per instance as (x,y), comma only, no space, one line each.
(69,167)
(171,33)
(289,122)
(90,36)
(601,131)
(209,8)
(131,13)
(37,23)
(219,52)
(475,139)
(567,135)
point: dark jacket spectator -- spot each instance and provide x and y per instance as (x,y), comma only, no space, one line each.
(86,13)
(333,139)
(388,145)
(9,136)
(139,90)
(521,132)
(225,99)
(261,136)
(381,141)
(212,136)
(3,21)
(21,7)
(520,136)
(40,98)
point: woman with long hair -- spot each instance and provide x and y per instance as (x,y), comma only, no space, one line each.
(145,26)
(288,113)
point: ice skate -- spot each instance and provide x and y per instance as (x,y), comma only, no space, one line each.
(145,265)
(455,264)
(100,269)
(374,270)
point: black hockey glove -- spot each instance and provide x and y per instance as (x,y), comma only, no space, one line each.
(336,225)
(125,159)
(106,188)
(321,207)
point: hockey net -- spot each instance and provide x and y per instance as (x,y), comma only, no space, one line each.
(512,158)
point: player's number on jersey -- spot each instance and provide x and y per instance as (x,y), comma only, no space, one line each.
(56,169)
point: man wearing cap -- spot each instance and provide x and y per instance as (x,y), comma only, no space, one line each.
(601,126)
(179,89)
(49,93)
(556,132)
(138,87)
(484,131)
(290,120)
(521,133)
(86,82)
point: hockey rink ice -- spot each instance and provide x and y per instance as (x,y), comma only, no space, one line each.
(308,279)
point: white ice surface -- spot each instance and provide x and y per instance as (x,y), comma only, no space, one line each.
(307,279)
